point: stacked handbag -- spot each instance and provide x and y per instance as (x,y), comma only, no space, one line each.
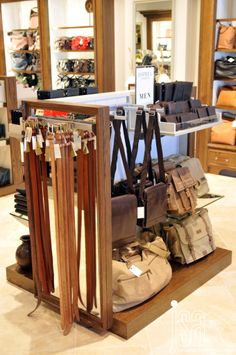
(76,43)
(140,270)
(20,202)
(76,65)
(163,194)
(179,108)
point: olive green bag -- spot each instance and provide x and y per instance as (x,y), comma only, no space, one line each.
(191,238)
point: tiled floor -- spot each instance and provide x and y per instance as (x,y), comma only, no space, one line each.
(203,323)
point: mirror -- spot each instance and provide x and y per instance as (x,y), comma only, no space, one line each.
(154,37)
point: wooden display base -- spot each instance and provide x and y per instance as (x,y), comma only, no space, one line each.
(185,280)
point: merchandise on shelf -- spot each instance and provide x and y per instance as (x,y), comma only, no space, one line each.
(75,43)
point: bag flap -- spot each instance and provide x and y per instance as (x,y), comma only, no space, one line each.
(186,177)
(177,181)
(191,230)
(124,216)
(196,169)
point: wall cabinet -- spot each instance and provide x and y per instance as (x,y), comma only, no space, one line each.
(213,13)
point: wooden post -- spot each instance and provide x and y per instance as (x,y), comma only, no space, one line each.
(206,67)
(104,45)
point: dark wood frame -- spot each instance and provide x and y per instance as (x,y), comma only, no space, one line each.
(103,204)
(16,166)
(152,16)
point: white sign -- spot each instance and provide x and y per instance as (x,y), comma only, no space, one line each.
(144,85)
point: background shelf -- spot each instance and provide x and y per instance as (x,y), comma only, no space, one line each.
(225,79)
(72,50)
(73,27)
(225,50)
(25,51)
(74,73)
(26,71)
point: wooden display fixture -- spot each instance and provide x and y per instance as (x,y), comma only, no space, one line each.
(185,280)
(16,167)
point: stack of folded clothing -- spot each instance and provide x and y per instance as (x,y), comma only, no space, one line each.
(20,202)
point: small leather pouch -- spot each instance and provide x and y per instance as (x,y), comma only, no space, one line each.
(182,90)
(155,204)
(194,103)
(168,92)
(211,111)
(201,112)
(169,118)
(188,119)
(124,216)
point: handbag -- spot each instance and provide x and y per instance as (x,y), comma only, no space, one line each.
(4,176)
(198,174)
(63,43)
(226,37)
(34,18)
(195,169)
(227,96)
(153,273)
(224,134)
(225,68)
(124,207)
(191,238)
(19,60)
(19,41)
(81,43)
(181,192)
(151,194)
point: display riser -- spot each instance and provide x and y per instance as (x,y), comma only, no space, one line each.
(185,280)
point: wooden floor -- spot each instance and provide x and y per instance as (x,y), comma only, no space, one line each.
(185,280)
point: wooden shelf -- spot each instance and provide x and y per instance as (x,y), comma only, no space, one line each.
(225,79)
(185,280)
(72,50)
(9,189)
(26,71)
(24,30)
(227,19)
(73,27)
(25,51)
(222,146)
(74,73)
(225,50)
(226,108)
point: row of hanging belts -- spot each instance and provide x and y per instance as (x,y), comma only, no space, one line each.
(42,144)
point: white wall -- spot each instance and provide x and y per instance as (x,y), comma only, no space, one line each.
(186,24)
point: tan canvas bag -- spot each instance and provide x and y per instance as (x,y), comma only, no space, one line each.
(190,239)
(155,273)
(197,172)
(181,192)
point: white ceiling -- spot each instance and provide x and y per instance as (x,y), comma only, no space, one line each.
(153,5)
